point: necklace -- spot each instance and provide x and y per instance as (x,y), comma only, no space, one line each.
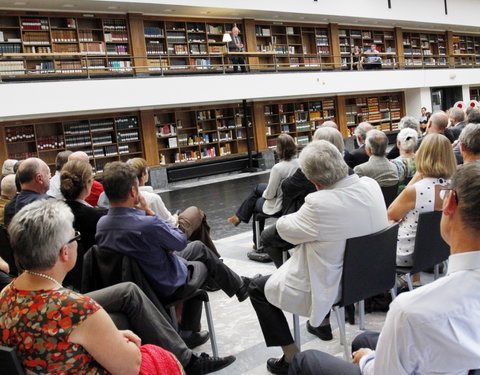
(45,277)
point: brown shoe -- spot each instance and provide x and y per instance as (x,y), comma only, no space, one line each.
(234,220)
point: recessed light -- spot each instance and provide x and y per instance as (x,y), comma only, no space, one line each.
(68,5)
(275,16)
(19,3)
(205,12)
(302,18)
(112,7)
(167,10)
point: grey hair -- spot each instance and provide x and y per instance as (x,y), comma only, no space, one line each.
(470,138)
(362,129)
(8,185)
(408,139)
(331,135)
(330,124)
(322,163)
(38,232)
(474,115)
(377,141)
(409,122)
(466,183)
(457,113)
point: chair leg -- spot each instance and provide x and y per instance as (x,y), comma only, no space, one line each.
(341,328)
(211,329)
(436,271)
(361,314)
(296,331)
(409,281)
(257,232)
(173,316)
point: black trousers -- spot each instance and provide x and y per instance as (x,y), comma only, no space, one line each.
(314,362)
(274,245)
(253,204)
(272,320)
(238,61)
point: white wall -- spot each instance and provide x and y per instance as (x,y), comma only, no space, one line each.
(417,98)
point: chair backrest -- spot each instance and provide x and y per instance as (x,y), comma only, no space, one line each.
(369,265)
(474,372)
(430,248)
(10,363)
(389,193)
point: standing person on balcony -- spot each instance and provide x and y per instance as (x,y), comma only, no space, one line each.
(236,45)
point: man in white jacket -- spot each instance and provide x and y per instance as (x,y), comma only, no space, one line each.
(434,329)
(308,284)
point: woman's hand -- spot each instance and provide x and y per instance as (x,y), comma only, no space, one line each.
(131,337)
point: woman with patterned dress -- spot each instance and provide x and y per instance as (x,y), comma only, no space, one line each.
(435,164)
(56,330)
(407,143)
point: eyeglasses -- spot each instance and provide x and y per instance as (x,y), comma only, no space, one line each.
(443,194)
(78,237)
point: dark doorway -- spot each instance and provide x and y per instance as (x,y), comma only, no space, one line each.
(444,98)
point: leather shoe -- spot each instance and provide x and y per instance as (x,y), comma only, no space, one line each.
(242,293)
(204,364)
(278,365)
(324,333)
(259,256)
(197,339)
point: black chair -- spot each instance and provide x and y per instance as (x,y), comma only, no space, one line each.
(474,372)
(259,222)
(430,249)
(368,269)
(103,267)
(389,193)
(6,251)
(10,363)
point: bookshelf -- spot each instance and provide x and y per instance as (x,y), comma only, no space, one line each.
(295,46)
(425,49)
(188,135)
(173,45)
(475,93)
(382,111)
(300,119)
(64,45)
(363,38)
(104,139)
(466,50)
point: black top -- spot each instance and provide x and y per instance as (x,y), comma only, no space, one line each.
(357,157)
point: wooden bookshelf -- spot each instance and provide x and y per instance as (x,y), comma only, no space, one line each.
(295,46)
(180,45)
(64,45)
(382,111)
(188,135)
(298,118)
(363,38)
(104,139)
(466,50)
(424,49)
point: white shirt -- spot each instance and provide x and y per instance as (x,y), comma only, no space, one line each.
(434,329)
(54,190)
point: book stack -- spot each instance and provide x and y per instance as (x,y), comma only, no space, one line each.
(20,133)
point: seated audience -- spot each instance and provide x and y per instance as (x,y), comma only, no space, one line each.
(469,143)
(473,117)
(373,60)
(378,166)
(60,160)
(457,121)
(61,331)
(267,198)
(192,221)
(8,167)
(308,283)
(435,164)
(9,209)
(173,266)
(407,143)
(8,191)
(359,156)
(437,124)
(406,122)
(97,187)
(433,329)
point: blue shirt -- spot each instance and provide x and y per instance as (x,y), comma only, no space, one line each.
(28,196)
(150,240)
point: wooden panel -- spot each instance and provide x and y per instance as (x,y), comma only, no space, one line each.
(137,39)
(335,46)
(149,137)
(3,146)
(259,127)
(342,118)
(250,41)
(399,46)
(450,51)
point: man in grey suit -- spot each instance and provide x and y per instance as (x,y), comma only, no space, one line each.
(236,45)
(378,166)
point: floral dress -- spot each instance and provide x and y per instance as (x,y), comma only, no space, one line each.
(38,323)
(406,168)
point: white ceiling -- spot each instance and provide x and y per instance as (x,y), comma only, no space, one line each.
(95,6)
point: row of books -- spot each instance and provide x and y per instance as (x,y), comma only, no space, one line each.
(127,136)
(12,67)
(34,23)
(36,38)
(115,24)
(19,133)
(110,150)
(69,67)
(102,139)
(119,65)
(65,48)
(117,49)
(155,48)
(153,32)
(64,36)
(116,36)
(50,142)
(10,48)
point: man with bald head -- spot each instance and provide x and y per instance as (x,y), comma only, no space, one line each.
(34,177)
(438,125)
(236,45)
(97,187)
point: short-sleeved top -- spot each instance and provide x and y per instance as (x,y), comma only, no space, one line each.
(39,323)
(424,202)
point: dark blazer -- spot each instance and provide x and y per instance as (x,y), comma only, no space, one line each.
(357,157)
(295,188)
(232,47)
(457,129)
